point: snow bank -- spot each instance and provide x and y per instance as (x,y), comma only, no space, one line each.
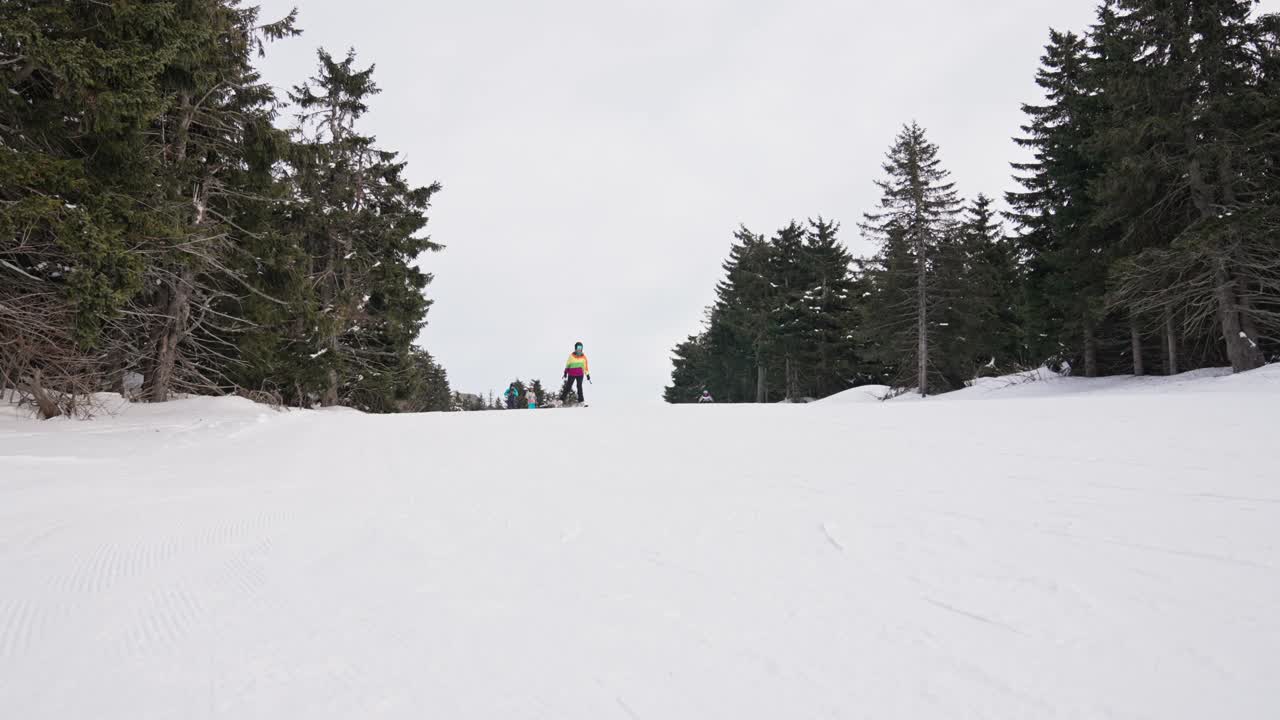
(858,395)
(1045,383)
(1071,552)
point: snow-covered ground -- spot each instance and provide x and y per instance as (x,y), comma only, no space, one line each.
(1063,548)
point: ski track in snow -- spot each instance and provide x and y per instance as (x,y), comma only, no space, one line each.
(973,615)
(826,532)
(627,709)
(1059,548)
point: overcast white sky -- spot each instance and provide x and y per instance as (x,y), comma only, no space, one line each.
(597,155)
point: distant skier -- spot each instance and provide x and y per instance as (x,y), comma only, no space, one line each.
(533,400)
(575,368)
(706,397)
(512,394)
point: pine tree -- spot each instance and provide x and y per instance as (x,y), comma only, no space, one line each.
(830,357)
(148,225)
(426,388)
(468,402)
(914,222)
(128,121)
(204,140)
(982,284)
(1198,87)
(692,372)
(361,226)
(789,280)
(1054,213)
(744,311)
(81,85)
(783,322)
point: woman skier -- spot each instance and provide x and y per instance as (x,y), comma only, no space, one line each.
(575,368)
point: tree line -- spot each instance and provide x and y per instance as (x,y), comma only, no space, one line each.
(1144,233)
(523,393)
(161,233)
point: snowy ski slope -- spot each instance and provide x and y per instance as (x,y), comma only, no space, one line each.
(1063,548)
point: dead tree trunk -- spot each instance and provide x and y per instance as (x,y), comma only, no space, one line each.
(1250,327)
(1135,343)
(330,396)
(158,382)
(1242,351)
(922,320)
(183,133)
(762,390)
(1090,348)
(47,405)
(790,380)
(118,372)
(1170,345)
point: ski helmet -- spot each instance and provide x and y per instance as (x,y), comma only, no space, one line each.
(577,345)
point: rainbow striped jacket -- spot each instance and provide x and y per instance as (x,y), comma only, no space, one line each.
(577,366)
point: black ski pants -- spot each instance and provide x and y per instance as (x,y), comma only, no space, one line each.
(568,385)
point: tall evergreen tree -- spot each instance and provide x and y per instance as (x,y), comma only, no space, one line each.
(149,228)
(158,102)
(782,325)
(744,309)
(692,372)
(789,279)
(833,358)
(81,87)
(983,312)
(1063,249)
(915,220)
(1198,86)
(426,388)
(360,223)
(205,137)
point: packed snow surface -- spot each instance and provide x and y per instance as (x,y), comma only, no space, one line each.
(1055,548)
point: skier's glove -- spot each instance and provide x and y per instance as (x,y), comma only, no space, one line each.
(588,377)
